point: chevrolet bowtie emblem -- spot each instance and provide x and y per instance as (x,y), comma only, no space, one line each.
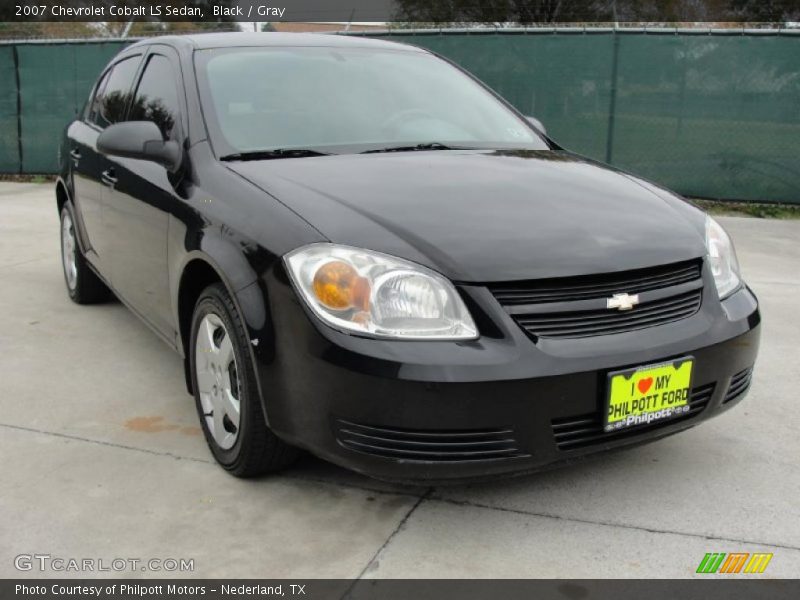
(622,301)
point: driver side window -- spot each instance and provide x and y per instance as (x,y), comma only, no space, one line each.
(113,93)
(157,97)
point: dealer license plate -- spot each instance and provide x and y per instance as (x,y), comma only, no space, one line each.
(648,394)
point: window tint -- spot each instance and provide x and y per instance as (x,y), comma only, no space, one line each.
(157,96)
(110,102)
(93,102)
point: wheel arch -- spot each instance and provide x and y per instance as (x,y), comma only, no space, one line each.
(196,275)
(62,194)
(199,270)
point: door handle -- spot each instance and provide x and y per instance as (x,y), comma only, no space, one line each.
(75,154)
(108,177)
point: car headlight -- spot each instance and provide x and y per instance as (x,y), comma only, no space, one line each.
(722,258)
(377,295)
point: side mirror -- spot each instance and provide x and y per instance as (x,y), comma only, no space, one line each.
(537,124)
(140,139)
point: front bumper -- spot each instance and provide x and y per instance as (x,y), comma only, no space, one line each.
(438,411)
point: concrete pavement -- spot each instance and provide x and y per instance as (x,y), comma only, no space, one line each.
(102,457)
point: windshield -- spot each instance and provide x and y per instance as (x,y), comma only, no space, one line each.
(348,99)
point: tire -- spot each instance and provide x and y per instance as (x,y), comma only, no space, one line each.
(226,393)
(83,286)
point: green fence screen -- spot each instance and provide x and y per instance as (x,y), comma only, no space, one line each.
(709,114)
(9,137)
(712,114)
(43,87)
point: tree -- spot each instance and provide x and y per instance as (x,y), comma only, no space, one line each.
(47,29)
(503,11)
(768,11)
(524,12)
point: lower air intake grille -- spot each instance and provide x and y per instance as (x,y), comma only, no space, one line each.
(739,384)
(428,445)
(587,430)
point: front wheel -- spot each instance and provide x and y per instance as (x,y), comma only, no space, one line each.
(226,393)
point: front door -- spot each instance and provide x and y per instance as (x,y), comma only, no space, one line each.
(143,196)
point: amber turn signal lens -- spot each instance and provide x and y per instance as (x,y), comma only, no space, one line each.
(338,286)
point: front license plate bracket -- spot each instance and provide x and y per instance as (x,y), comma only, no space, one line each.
(648,394)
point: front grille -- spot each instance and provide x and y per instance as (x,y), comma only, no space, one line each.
(568,289)
(575,307)
(739,384)
(428,445)
(585,430)
(604,321)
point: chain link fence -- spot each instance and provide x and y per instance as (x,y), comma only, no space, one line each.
(711,114)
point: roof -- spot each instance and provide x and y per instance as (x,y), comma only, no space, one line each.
(202,41)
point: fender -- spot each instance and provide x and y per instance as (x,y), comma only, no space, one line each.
(247,290)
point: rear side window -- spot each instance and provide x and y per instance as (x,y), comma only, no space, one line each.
(93,102)
(157,96)
(113,93)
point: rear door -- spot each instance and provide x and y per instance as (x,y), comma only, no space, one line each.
(144,194)
(107,106)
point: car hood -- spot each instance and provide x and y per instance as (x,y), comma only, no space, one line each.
(483,216)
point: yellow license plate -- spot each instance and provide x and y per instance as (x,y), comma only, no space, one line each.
(647,394)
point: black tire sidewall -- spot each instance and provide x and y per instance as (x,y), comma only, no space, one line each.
(214,299)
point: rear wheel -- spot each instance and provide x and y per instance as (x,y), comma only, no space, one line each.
(83,286)
(226,393)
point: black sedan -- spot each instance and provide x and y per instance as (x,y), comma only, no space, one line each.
(361,251)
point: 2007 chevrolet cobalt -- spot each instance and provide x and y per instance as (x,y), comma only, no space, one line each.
(361,251)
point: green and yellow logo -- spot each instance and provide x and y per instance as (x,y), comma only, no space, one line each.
(734,562)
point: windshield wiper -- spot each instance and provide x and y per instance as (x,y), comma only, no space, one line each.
(415,148)
(272,154)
